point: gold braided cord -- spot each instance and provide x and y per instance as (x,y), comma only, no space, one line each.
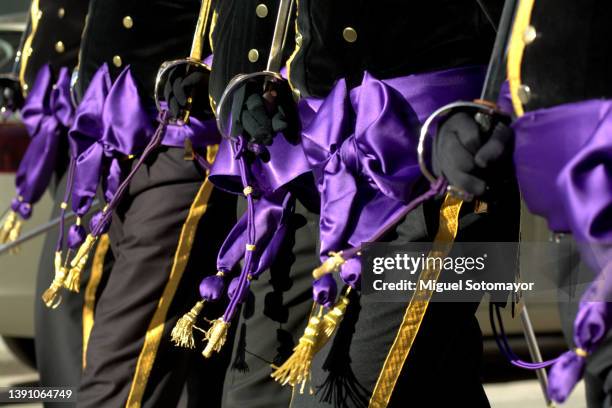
(415,312)
(89,301)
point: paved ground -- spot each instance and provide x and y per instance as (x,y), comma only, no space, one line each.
(513,394)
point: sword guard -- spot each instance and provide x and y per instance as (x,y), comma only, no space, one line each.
(486,114)
(224,107)
(161,78)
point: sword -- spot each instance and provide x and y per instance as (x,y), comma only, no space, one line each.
(485,108)
(271,75)
(534,352)
(192,62)
(485,114)
(40,229)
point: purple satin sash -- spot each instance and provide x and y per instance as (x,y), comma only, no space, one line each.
(113,122)
(562,158)
(47,114)
(362,147)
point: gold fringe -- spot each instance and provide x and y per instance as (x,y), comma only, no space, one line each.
(7,226)
(51,296)
(332,318)
(182,333)
(296,370)
(73,281)
(216,336)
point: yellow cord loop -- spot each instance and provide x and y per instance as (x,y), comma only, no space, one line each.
(331,265)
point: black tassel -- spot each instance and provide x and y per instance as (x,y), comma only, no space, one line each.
(240,363)
(341,388)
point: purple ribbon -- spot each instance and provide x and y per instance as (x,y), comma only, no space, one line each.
(562,159)
(362,146)
(113,122)
(47,115)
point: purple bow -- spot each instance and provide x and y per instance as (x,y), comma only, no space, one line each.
(84,134)
(47,115)
(362,146)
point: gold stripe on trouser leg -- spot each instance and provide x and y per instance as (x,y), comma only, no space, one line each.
(156,326)
(515,52)
(89,300)
(413,317)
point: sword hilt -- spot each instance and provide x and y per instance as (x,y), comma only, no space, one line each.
(192,62)
(486,114)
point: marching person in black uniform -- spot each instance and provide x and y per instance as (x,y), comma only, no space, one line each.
(371,46)
(341,50)
(560,89)
(272,317)
(46,62)
(167,212)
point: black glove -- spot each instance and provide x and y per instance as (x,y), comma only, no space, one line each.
(469,159)
(11,97)
(260,116)
(183,82)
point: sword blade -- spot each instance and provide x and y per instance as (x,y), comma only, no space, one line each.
(534,352)
(496,71)
(200,30)
(41,229)
(280,34)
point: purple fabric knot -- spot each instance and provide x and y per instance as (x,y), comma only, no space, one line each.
(95,220)
(324,290)
(350,272)
(362,147)
(211,288)
(234,290)
(76,236)
(22,208)
(46,114)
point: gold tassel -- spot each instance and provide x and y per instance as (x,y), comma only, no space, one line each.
(182,333)
(73,280)
(332,318)
(77,264)
(216,336)
(296,370)
(7,227)
(51,296)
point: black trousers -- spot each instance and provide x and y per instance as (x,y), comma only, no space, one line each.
(273,319)
(61,332)
(574,277)
(444,364)
(165,236)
